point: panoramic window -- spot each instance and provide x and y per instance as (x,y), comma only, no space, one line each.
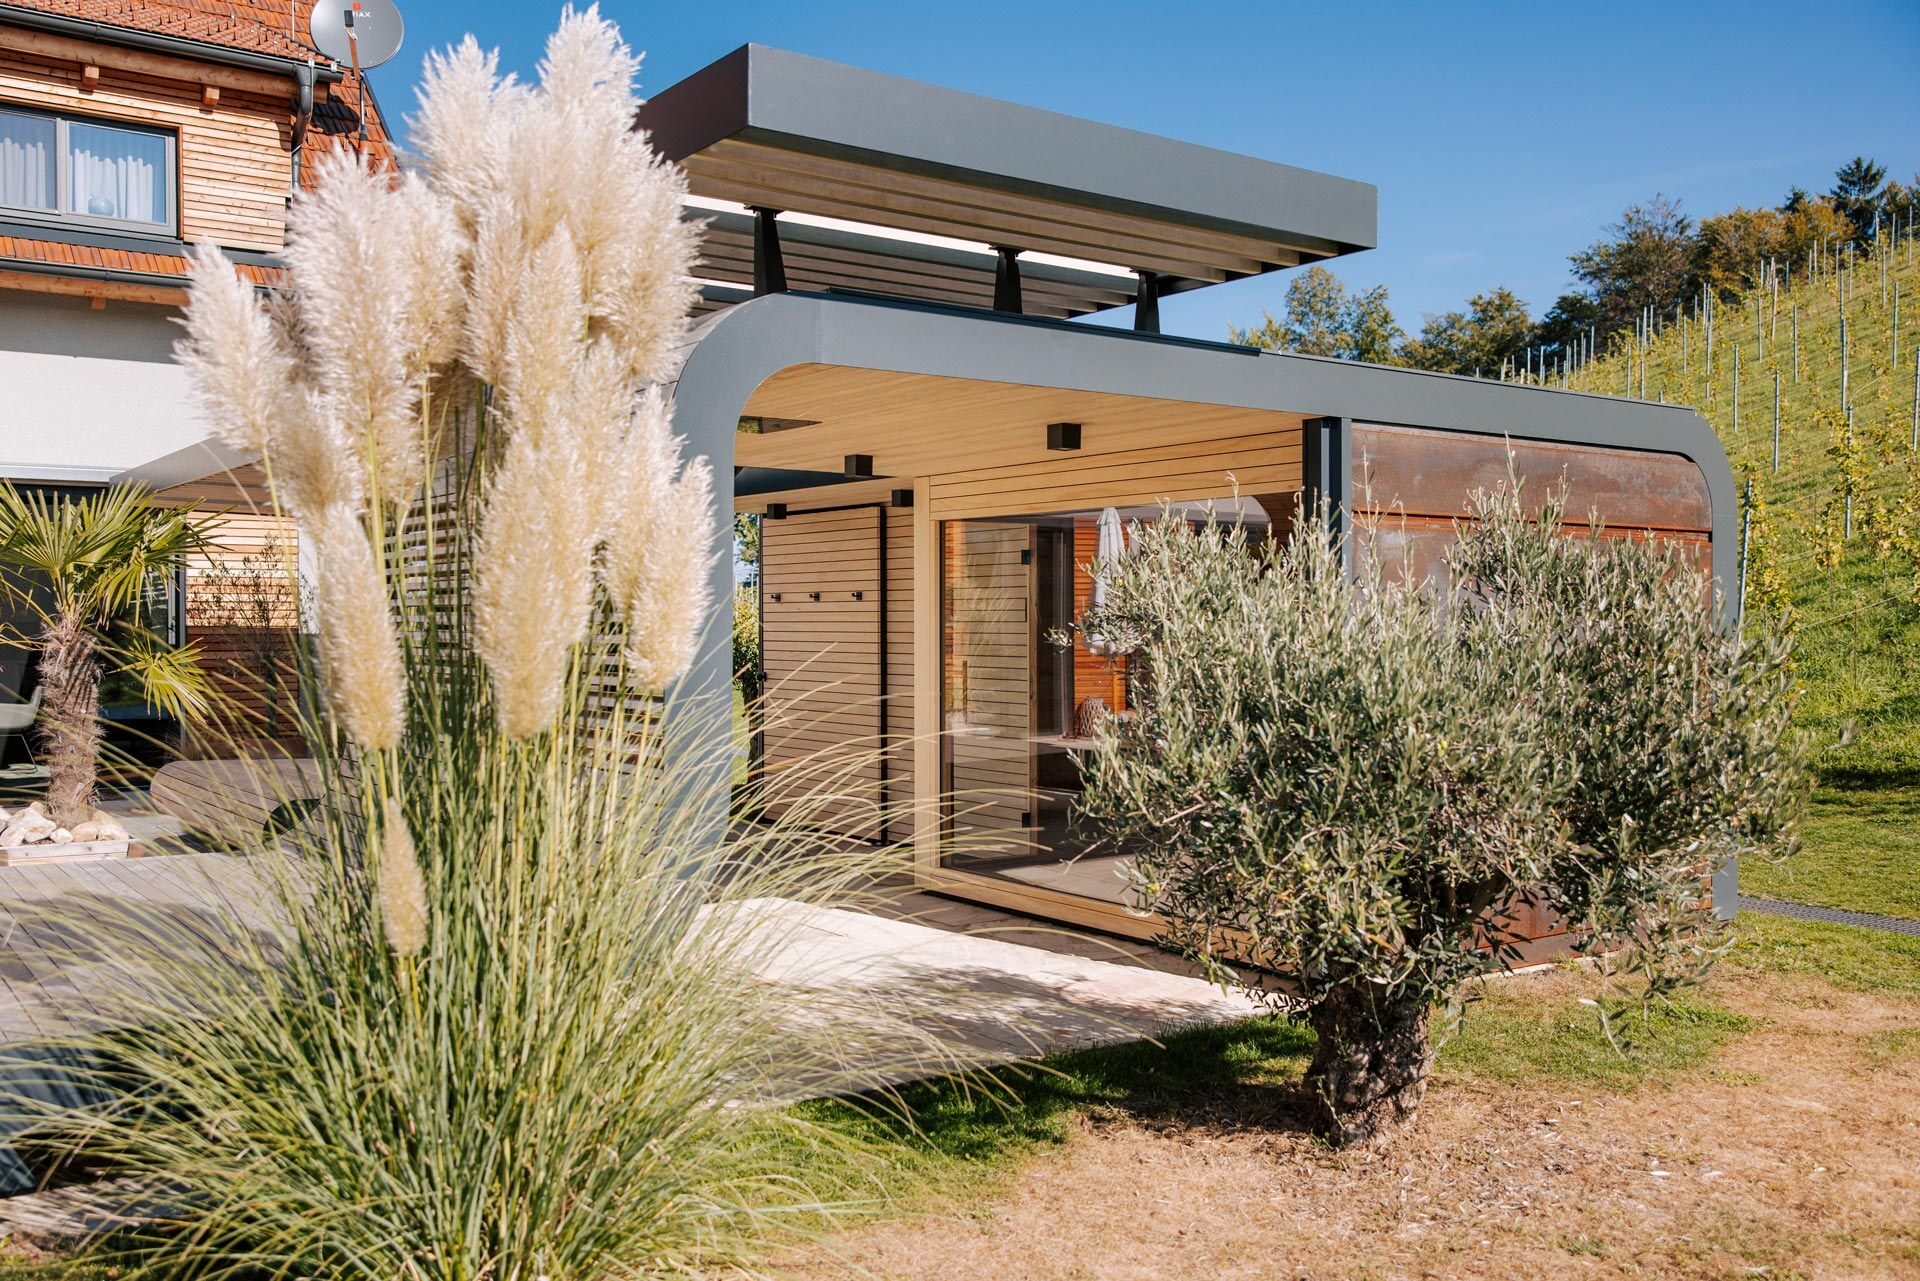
(86,171)
(1023,687)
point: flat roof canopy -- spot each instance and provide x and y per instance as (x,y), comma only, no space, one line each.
(769,129)
(914,425)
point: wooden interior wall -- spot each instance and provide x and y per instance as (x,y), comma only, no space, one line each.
(243,613)
(1093,676)
(820,584)
(988,675)
(236,165)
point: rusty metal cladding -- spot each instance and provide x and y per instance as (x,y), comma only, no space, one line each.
(1432,473)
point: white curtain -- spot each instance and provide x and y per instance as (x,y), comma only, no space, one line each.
(26,160)
(117,174)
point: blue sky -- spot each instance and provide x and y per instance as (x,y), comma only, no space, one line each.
(1502,137)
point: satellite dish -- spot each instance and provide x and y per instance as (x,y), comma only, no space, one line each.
(361,33)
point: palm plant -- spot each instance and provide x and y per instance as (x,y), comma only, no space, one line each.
(77,567)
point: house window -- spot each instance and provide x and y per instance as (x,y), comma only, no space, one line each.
(72,169)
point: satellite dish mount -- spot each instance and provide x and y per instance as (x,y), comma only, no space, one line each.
(361,33)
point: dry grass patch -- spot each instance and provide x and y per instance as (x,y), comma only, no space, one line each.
(1786,1147)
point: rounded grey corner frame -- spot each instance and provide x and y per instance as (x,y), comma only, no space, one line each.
(739,349)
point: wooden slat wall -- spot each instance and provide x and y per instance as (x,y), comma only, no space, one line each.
(1261,462)
(823,665)
(244,622)
(236,166)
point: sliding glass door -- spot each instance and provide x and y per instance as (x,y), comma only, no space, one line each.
(1023,687)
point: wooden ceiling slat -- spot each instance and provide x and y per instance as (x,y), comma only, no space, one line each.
(972,200)
(918,425)
(735,251)
(726,181)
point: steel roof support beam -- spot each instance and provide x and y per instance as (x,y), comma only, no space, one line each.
(769,269)
(1006,280)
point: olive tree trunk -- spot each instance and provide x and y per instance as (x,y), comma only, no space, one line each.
(1370,1064)
(69,719)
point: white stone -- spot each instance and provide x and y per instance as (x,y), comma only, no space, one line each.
(87,831)
(60,836)
(14,835)
(112,831)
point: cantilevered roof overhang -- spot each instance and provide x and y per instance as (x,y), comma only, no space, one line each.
(764,128)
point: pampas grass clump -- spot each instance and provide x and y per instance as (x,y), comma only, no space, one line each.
(491,1011)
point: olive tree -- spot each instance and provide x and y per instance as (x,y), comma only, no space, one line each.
(1337,784)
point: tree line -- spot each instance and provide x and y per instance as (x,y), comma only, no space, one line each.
(1648,262)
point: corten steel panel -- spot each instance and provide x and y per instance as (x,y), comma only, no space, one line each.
(1433,473)
(1415,547)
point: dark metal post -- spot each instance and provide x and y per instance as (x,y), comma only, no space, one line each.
(769,269)
(1327,478)
(1146,304)
(1006,280)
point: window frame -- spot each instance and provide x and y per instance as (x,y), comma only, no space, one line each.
(61,215)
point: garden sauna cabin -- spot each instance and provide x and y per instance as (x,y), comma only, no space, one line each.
(893,367)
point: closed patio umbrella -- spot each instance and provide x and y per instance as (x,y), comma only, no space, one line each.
(1113,545)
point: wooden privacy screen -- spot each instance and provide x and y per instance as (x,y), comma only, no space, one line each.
(1410,486)
(823,636)
(243,613)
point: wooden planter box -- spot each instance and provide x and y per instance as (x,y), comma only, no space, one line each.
(67,852)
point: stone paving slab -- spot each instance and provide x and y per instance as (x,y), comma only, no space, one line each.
(1833,915)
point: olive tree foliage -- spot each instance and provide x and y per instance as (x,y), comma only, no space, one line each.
(1337,785)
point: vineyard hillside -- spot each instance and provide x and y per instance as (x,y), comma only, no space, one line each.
(1834,528)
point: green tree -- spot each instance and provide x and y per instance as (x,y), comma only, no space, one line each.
(1857,188)
(1564,327)
(78,568)
(1494,328)
(1322,318)
(746,545)
(1348,782)
(1645,260)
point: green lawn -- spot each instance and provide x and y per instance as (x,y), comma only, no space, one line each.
(1248,1074)
(1861,852)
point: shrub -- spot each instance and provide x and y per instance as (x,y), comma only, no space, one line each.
(1338,786)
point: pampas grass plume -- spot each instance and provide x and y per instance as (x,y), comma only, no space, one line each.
(403,894)
(659,548)
(358,651)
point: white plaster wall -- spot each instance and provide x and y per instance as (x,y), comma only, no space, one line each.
(84,394)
